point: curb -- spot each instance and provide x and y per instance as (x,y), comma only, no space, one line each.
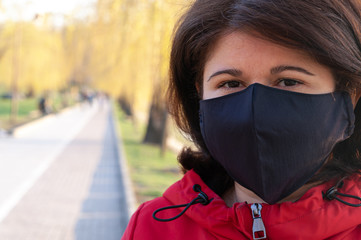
(124,169)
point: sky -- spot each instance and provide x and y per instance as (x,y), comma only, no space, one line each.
(27,9)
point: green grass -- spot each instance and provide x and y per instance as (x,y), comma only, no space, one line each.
(25,106)
(151,173)
(25,109)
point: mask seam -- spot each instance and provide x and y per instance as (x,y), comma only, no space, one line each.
(256,135)
(201,118)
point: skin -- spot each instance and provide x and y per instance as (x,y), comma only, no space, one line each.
(240,59)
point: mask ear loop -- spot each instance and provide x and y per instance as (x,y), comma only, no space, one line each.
(333,193)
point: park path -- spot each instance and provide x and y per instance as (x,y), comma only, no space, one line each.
(61,179)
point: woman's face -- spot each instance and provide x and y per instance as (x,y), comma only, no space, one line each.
(240,59)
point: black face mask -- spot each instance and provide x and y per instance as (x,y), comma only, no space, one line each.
(273,141)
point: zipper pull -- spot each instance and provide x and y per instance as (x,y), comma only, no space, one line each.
(258,229)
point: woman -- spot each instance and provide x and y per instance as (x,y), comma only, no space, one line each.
(267,90)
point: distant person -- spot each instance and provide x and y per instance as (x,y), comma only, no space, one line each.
(43,106)
(268,92)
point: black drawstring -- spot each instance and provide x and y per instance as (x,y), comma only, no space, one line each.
(201,198)
(333,193)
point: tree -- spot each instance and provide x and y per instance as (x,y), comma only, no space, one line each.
(131,40)
(163,17)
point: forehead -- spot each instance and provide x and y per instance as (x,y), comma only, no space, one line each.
(242,45)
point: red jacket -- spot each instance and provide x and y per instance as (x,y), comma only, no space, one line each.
(311,217)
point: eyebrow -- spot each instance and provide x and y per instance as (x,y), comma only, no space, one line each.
(236,73)
(233,72)
(282,68)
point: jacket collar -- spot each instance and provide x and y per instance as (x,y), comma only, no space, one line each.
(311,217)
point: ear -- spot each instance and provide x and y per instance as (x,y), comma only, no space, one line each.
(199,90)
(356,96)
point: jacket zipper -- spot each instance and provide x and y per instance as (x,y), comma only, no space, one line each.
(258,229)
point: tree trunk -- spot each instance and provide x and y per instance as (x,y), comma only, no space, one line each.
(157,122)
(17,38)
(125,106)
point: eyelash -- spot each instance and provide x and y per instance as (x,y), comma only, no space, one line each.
(294,81)
(223,84)
(279,81)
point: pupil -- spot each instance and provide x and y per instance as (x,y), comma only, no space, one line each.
(290,82)
(233,84)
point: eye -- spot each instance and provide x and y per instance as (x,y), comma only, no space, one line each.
(230,84)
(286,82)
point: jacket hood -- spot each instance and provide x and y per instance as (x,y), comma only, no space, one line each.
(311,217)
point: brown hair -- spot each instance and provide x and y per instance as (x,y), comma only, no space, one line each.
(329,30)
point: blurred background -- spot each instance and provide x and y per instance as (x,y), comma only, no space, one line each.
(69,69)
(60,49)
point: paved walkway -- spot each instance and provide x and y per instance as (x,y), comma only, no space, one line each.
(62,180)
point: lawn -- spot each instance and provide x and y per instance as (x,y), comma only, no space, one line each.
(26,111)
(150,172)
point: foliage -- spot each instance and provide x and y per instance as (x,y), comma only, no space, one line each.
(33,56)
(132,58)
(123,49)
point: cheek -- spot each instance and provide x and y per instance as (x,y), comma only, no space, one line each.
(325,84)
(206,93)
(209,91)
